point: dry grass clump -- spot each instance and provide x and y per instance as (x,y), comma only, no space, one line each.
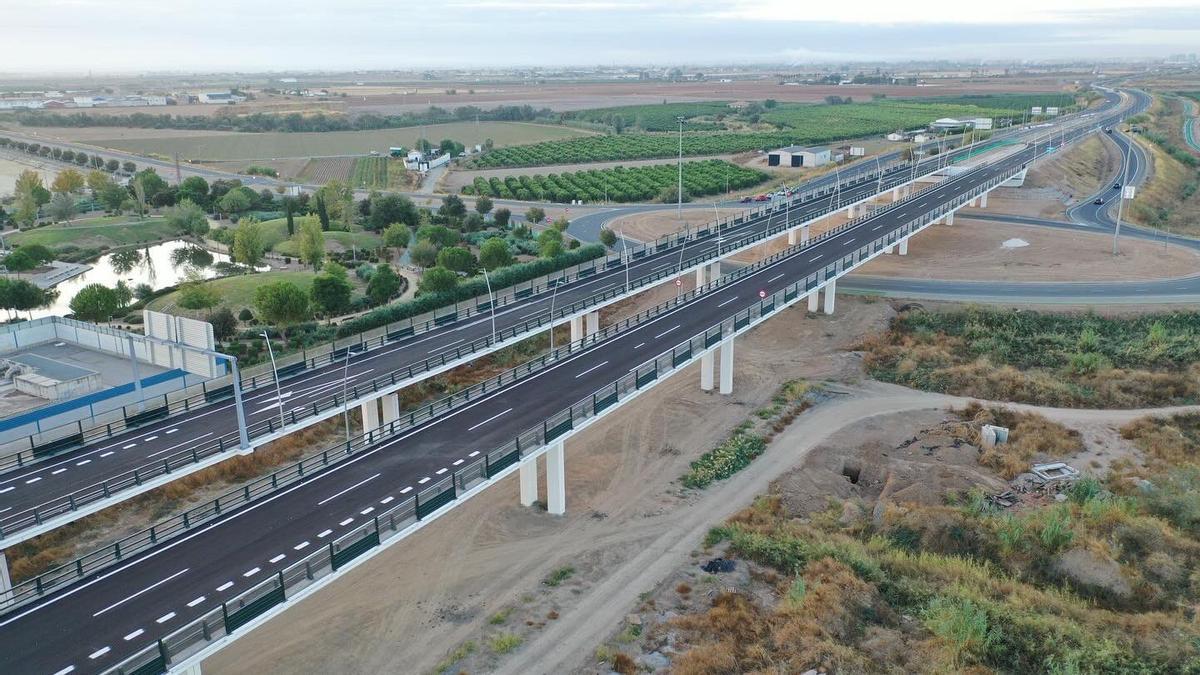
(1030,435)
(1173,439)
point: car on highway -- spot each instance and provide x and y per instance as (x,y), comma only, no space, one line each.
(762,198)
(1099,200)
(747,199)
(1116,186)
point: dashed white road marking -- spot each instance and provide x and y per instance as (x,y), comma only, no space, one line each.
(107,454)
(86,461)
(7,489)
(99,652)
(346,522)
(473,454)
(225,586)
(387,500)
(301,546)
(322,535)
(56,472)
(252,572)
(165,617)
(459,462)
(640,344)
(423,480)
(666,331)
(367,510)
(440,471)
(33,480)
(277,558)
(64,671)
(149,438)
(406,490)
(196,601)
(128,446)
(171,431)
(134,634)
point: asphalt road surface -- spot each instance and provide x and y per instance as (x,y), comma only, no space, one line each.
(93,625)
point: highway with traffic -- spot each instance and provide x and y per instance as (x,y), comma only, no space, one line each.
(92,625)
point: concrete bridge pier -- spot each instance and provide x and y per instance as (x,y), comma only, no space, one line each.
(727,366)
(792,237)
(983,200)
(804,235)
(576,329)
(529,482)
(391,408)
(593,323)
(830,296)
(370,416)
(706,371)
(556,480)
(5,579)
(903,247)
(888,250)
(714,271)
(895,194)
(814,300)
(850,212)
(701,275)
(950,218)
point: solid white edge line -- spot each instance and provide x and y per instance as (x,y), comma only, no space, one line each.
(148,588)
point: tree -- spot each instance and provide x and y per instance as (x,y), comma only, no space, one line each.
(26,190)
(282,304)
(668,195)
(151,182)
(322,211)
(188,218)
(19,261)
(452,208)
(113,196)
(195,190)
(550,243)
(472,223)
(223,322)
(388,209)
(139,192)
(608,237)
(238,200)
(535,214)
(439,235)
(396,236)
(339,200)
(197,295)
(68,181)
(423,253)
(384,284)
(248,242)
(561,224)
(96,181)
(129,167)
(20,295)
(437,280)
(96,303)
(111,165)
(456,259)
(38,252)
(501,217)
(62,207)
(311,243)
(483,205)
(451,147)
(289,211)
(494,254)
(331,292)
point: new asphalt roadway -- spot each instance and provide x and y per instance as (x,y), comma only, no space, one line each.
(94,624)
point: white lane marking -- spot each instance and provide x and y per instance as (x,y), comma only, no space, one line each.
(56,472)
(446,346)
(106,454)
(165,617)
(64,671)
(148,588)
(134,634)
(277,558)
(726,302)
(7,508)
(666,331)
(346,522)
(640,344)
(225,586)
(486,421)
(423,480)
(7,489)
(321,535)
(98,653)
(598,365)
(128,446)
(196,601)
(361,482)
(149,438)
(179,445)
(473,454)
(86,461)
(171,431)
(33,480)
(406,490)
(816,258)
(459,462)
(387,500)
(252,572)
(301,546)
(440,471)
(774,278)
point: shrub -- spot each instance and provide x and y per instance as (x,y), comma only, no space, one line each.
(723,461)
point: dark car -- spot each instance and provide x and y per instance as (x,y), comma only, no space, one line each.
(747,200)
(1116,186)
(1098,201)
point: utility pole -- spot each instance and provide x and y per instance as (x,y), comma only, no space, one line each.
(679,188)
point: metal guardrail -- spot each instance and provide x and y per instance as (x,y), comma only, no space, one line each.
(391,524)
(107,424)
(228,442)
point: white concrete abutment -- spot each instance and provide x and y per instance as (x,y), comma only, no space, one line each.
(556,480)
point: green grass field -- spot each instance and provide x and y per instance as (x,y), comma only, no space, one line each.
(266,146)
(277,240)
(96,233)
(237,292)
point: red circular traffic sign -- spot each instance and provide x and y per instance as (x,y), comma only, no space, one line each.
(762,294)
(679,282)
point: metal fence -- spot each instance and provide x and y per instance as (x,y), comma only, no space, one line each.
(391,524)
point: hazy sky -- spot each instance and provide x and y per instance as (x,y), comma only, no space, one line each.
(138,35)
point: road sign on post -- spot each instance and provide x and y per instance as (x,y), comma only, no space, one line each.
(762,294)
(1129,191)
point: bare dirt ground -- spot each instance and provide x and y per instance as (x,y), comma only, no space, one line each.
(650,225)
(974,250)
(11,166)
(492,553)
(86,134)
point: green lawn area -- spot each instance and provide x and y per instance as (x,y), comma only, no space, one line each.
(236,292)
(277,239)
(97,232)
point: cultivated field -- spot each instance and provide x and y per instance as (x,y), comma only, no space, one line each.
(620,184)
(271,145)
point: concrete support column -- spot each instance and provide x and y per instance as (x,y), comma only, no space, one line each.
(974,202)
(983,200)
(556,480)
(950,218)
(791,237)
(576,329)
(830,296)
(850,212)
(727,366)
(895,194)
(391,408)
(529,482)
(706,371)
(888,250)
(593,323)
(903,247)
(370,415)
(714,272)
(814,299)
(700,275)
(804,235)
(6,580)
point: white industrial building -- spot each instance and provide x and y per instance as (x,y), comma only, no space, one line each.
(220,97)
(798,155)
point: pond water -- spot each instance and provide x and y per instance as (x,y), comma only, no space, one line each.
(157,266)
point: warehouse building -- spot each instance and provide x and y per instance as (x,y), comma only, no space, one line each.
(798,155)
